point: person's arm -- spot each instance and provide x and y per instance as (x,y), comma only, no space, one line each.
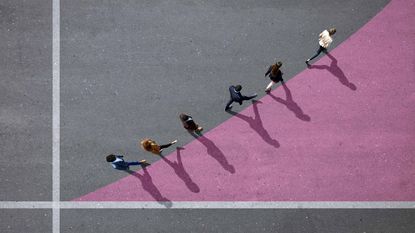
(269,71)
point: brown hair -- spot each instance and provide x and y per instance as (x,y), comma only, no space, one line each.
(183,117)
(332,31)
(146,144)
(276,67)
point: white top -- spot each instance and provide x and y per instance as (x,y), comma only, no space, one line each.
(325,39)
(116,160)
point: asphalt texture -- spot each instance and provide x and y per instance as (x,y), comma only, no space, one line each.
(25,100)
(236,221)
(33,221)
(129,68)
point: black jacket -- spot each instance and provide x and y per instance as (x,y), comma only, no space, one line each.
(274,76)
(235,95)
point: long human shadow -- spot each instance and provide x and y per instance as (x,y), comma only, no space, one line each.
(181,172)
(291,104)
(215,152)
(256,124)
(336,71)
(149,186)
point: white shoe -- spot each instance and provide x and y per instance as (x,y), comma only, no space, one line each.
(174,142)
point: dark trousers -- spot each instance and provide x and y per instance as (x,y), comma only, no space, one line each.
(126,165)
(320,49)
(228,105)
(165,146)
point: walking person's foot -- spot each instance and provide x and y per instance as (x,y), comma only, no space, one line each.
(307,62)
(174,142)
(228,108)
(144,163)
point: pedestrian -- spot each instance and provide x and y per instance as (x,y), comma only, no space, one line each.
(275,75)
(189,124)
(118,162)
(151,146)
(325,39)
(236,96)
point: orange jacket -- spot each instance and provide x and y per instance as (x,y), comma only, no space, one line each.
(150,146)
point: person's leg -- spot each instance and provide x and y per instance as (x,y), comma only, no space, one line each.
(136,162)
(199,129)
(249,97)
(167,145)
(269,86)
(133,163)
(320,49)
(228,105)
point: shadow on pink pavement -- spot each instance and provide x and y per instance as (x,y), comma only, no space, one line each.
(290,104)
(181,172)
(215,152)
(256,124)
(150,187)
(336,71)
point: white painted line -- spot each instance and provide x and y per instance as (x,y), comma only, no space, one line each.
(209,205)
(56,115)
(26,204)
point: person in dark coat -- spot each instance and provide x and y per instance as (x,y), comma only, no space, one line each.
(236,96)
(275,75)
(189,124)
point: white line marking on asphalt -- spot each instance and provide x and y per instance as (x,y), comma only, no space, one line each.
(56,116)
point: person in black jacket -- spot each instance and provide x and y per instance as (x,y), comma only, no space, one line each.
(236,96)
(189,124)
(275,75)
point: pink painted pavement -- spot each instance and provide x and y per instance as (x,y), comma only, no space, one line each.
(343,130)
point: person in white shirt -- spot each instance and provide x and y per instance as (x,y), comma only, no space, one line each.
(325,39)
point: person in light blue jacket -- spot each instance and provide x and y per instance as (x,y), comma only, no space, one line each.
(118,162)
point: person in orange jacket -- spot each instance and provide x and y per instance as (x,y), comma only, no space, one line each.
(151,146)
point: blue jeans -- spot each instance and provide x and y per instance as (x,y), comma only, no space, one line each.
(320,49)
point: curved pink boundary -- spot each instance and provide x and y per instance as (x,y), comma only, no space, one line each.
(341,131)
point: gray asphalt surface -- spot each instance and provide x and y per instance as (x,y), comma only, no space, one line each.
(237,221)
(25,221)
(25,100)
(128,68)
